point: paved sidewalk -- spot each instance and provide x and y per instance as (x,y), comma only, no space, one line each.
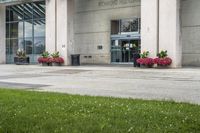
(182,85)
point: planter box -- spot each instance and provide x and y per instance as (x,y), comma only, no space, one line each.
(21,61)
(162,67)
(146,66)
(46,64)
(56,64)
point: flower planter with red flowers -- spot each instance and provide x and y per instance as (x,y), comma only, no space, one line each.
(163,61)
(145,61)
(45,61)
(57,60)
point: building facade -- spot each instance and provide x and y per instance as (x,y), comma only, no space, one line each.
(101,31)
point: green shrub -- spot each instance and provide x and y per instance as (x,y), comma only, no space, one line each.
(162,54)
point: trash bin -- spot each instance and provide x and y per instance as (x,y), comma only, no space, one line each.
(136,56)
(75,60)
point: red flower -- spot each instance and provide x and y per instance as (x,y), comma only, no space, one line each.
(58,60)
(145,61)
(45,60)
(163,61)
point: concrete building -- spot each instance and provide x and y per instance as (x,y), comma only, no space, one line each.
(101,31)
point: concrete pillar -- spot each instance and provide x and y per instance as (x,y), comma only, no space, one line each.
(65,29)
(170,30)
(59,27)
(50,26)
(149,26)
(2,35)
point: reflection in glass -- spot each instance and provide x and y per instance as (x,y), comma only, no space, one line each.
(28,11)
(129,25)
(39,9)
(28,29)
(39,45)
(8,50)
(13,47)
(134,25)
(7,46)
(21,43)
(123,50)
(7,14)
(39,28)
(125,26)
(28,45)
(16,29)
(16,13)
(7,31)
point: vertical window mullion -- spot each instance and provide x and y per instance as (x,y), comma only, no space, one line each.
(23,21)
(33,46)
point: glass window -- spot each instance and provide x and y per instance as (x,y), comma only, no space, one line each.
(21,43)
(39,45)
(7,14)
(39,28)
(13,46)
(7,30)
(7,46)
(28,29)
(28,11)
(29,45)
(8,50)
(39,9)
(16,13)
(130,25)
(16,29)
(125,26)
(134,25)
(25,29)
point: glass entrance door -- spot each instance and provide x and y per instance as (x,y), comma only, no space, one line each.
(122,50)
(125,39)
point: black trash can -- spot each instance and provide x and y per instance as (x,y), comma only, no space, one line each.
(75,60)
(136,56)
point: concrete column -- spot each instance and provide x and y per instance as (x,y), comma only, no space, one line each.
(65,29)
(170,30)
(50,26)
(2,35)
(149,26)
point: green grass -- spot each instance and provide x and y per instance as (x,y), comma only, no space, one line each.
(34,112)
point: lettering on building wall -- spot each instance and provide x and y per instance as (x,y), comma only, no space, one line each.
(103,3)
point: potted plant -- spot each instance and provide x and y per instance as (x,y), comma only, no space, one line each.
(21,58)
(45,59)
(57,60)
(144,60)
(162,59)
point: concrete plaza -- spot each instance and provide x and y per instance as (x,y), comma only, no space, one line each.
(181,85)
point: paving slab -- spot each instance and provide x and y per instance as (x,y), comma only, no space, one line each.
(181,85)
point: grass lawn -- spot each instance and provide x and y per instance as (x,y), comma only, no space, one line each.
(35,112)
